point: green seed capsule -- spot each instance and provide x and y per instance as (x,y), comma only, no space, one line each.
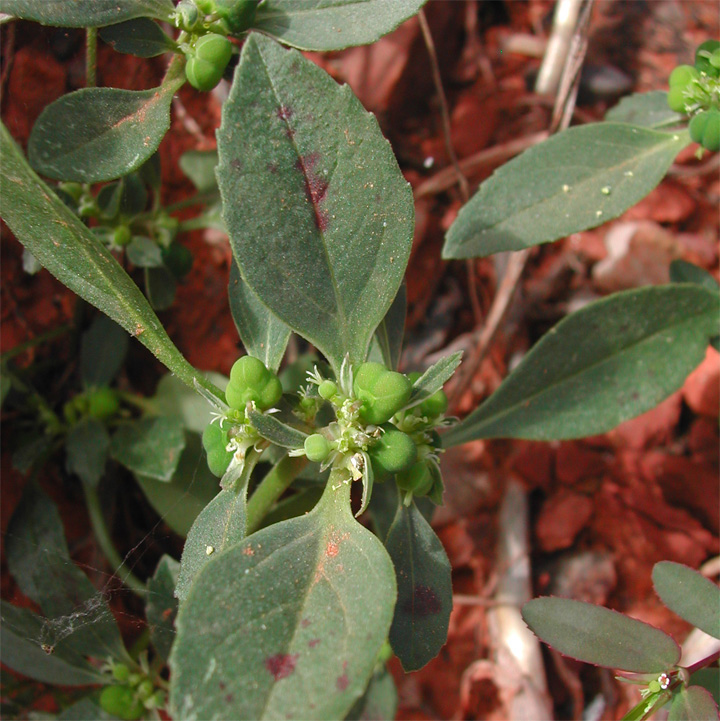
(145,689)
(122,235)
(435,405)
(121,672)
(417,479)
(682,76)
(317,448)
(121,701)
(705,129)
(677,99)
(327,389)
(250,380)
(382,392)
(207,61)
(715,59)
(703,55)
(103,403)
(392,453)
(215,442)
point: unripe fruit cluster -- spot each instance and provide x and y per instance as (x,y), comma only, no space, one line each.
(129,699)
(696,89)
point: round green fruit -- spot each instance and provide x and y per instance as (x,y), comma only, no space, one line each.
(703,56)
(122,236)
(215,442)
(327,390)
(682,76)
(207,61)
(435,405)
(383,392)
(121,672)
(103,403)
(145,689)
(250,380)
(317,448)
(418,479)
(392,453)
(121,701)
(677,100)
(705,129)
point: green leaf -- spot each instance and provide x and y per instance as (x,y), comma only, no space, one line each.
(648,110)
(173,398)
(600,636)
(199,166)
(383,508)
(62,243)
(192,487)
(709,679)
(686,592)
(422,614)
(434,378)
(144,253)
(291,506)
(161,607)
(325,227)
(220,526)
(263,334)
(87,446)
(103,348)
(98,134)
(38,559)
(610,361)
(21,636)
(684,272)
(379,701)
(276,431)
(302,607)
(141,37)
(389,334)
(150,446)
(86,13)
(332,24)
(575,180)
(693,704)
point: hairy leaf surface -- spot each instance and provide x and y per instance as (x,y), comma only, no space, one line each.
(98,134)
(422,614)
(332,24)
(319,216)
(578,179)
(85,13)
(600,636)
(303,608)
(610,361)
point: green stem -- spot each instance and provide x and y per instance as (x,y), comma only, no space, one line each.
(91,57)
(271,488)
(102,534)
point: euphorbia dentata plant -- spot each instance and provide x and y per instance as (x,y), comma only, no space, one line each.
(285,600)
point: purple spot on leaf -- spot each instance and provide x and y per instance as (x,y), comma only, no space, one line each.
(236,164)
(316,187)
(313,642)
(285,113)
(342,682)
(424,602)
(281,665)
(305,622)
(229,698)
